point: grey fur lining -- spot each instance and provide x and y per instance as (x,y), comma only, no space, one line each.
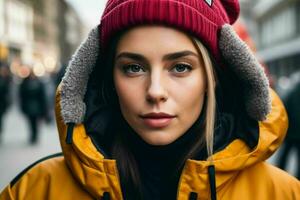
(75,80)
(254,81)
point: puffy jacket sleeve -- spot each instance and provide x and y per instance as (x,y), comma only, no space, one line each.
(48,178)
(6,194)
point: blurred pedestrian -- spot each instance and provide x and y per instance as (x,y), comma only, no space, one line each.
(4,93)
(292,140)
(163,101)
(33,103)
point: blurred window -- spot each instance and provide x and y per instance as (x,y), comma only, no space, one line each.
(1,18)
(19,21)
(279,27)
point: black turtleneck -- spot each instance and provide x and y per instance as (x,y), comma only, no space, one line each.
(160,166)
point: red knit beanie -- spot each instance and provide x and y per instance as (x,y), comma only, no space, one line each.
(201,18)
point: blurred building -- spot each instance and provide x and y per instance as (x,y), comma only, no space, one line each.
(278,35)
(46,47)
(16,33)
(38,33)
(71,30)
(58,31)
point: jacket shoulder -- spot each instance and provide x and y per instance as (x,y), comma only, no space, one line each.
(42,164)
(43,179)
(273,181)
(282,178)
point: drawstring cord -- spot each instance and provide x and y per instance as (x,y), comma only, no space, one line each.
(69,138)
(193,196)
(212,182)
(106,196)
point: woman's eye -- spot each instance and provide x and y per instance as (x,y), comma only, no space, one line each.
(181,68)
(133,69)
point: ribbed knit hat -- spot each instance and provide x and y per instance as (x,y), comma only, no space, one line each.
(208,20)
(201,18)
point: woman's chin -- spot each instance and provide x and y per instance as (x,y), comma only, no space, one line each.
(158,139)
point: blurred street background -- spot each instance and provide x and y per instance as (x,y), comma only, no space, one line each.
(38,37)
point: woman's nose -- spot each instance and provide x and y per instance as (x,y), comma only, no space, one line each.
(156,91)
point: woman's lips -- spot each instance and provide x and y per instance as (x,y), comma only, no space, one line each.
(157,122)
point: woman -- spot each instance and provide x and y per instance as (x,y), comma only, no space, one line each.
(172,106)
(32,97)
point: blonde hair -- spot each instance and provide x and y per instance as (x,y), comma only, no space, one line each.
(211,98)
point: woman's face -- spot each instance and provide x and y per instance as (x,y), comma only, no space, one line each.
(160,82)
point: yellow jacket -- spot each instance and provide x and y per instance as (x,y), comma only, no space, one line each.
(83,173)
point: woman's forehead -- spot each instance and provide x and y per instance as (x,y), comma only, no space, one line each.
(155,38)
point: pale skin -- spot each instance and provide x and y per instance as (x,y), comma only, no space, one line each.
(159,70)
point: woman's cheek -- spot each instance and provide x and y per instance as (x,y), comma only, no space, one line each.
(130,94)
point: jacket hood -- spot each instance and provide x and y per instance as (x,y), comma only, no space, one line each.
(98,173)
(89,165)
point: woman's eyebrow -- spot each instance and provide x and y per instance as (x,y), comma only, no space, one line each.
(133,56)
(176,55)
(170,56)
